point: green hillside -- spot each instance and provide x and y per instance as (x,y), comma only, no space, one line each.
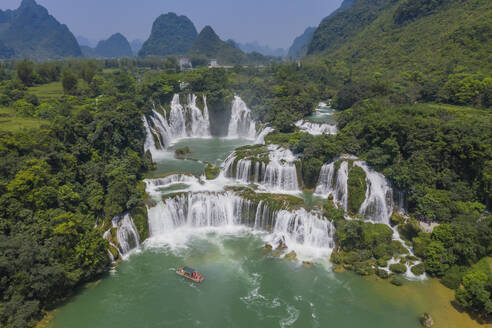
(436,37)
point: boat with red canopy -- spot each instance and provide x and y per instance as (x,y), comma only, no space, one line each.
(190,273)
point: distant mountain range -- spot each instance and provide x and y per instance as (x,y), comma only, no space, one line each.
(115,46)
(255,46)
(176,35)
(30,31)
(136,45)
(299,48)
(83,41)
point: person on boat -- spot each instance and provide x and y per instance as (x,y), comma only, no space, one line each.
(200,277)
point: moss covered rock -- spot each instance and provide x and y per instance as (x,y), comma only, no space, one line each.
(363,268)
(292,256)
(381,273)
(182,153)
(398,268)
(211,172)
(141,221)
(396,219)
(397,281)
(356,184)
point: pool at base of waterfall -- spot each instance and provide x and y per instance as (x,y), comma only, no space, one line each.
(245,286)
(212,150)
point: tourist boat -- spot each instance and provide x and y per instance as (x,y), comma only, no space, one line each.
(190,274)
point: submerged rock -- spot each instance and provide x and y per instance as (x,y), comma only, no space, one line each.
(281,244)
(277,253)
(426,320)
(267,247)
(307,264)
(292,256)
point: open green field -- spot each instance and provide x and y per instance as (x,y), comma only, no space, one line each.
(49,90)
(11,122)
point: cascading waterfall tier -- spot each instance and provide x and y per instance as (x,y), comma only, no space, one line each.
(242,124)
(127,237)
(299,229)
(333,181)
(378,203)
(183,121)
(316,128)
(272,167)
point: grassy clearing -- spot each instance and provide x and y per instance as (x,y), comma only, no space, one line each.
(49,90)
(462,111)
(11,122)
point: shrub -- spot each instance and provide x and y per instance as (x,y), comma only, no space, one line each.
(381,273)
(332,212)
(363,268)
(356,189)
(397,281)
(418,269)
(382,262)
(211,172)
(409,230)
(398,268)
(24,108)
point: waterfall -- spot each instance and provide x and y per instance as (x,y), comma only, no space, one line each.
(334,182)
(325,182)
(281,172)
(278,175)
(300,230)
(184,121)
(378,204)
(126,234)
(205,209)
(304,228)
(316,128)
(241,124)
(260,138)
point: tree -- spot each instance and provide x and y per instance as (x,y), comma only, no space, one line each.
(476,292)
(69,82)
(87,71)
(25,71)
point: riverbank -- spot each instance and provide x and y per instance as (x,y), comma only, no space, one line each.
(427,296)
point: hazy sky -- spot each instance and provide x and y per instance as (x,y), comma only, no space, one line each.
(272,22)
